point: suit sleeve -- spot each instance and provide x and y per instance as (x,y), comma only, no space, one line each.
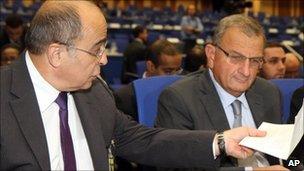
(125,101)
(172,111)
(155,146)
(162,147)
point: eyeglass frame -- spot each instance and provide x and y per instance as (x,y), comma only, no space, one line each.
(98,55)
(262,60)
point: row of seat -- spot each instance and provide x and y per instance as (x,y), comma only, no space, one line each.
(147,91)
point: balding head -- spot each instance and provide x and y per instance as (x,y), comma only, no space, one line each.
(58,22)
(292,64)
(66,42)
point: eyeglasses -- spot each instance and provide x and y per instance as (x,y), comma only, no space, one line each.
(97,54)
(254,62)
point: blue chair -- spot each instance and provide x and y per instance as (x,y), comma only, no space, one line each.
(147,91)
(121,43)
(112,71)
(140,68)
(287,87)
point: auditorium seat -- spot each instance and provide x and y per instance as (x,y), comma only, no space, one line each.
(147,91)
(287,87)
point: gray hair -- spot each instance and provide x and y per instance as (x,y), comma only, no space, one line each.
(247,25)
(53,24)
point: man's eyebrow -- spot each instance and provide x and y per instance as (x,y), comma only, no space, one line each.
(100,41)
(233,51)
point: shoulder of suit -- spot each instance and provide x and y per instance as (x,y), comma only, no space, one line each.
(127,90)
(188,81)
(263,85)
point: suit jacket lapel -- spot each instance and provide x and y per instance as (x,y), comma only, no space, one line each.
(88,114)
(212,102)
(255,103)
(26,110)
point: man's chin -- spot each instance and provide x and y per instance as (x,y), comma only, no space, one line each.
(87,85)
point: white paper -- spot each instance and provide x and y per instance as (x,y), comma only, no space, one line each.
(281,139)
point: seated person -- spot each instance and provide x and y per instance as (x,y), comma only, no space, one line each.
(191,28)
(13,32)
(228,94)
(195,59)
(53,87)
(163,58)
(9,53)
(274,59)
(134,52)
(292,65)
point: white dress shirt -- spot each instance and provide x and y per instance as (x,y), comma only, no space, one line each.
(46,95)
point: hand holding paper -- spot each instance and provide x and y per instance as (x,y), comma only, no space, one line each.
(281,139)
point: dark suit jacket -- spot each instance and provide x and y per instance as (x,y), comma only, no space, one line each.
(135,51)
(23,140)
(194,104)
(295,106)
(126,100)
(4,39)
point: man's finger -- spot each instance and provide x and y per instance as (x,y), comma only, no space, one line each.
(256,133)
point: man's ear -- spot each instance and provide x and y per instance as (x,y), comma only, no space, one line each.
(150,67)
(55,54)
(210,54)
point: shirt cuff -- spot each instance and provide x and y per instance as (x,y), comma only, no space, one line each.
(248,168)
(215,147)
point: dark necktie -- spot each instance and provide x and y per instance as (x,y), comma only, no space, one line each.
(65,134)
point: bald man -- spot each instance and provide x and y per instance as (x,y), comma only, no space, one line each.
(292,65)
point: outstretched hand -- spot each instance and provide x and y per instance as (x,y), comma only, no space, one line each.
(234,136)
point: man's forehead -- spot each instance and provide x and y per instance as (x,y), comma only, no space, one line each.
(274,51)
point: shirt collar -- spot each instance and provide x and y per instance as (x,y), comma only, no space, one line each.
(139,40)
(144,75)
(46,94)
(225,97)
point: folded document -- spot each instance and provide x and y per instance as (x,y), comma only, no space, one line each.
(281,139)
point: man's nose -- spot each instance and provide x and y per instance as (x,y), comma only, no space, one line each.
(103,59)
(245,68)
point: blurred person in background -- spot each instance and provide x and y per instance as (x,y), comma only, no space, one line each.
(162,58)
(134,52)
(195,59)
(191,28)
(9,53)
(292,65)
(13,32)
(274,59)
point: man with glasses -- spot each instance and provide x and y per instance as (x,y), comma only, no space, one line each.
(55,115)
(274,61)
(228,94)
